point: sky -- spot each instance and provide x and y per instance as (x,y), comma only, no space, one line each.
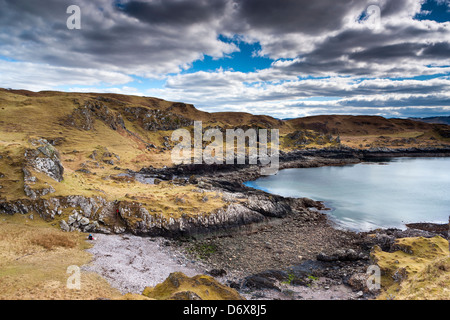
(283,58)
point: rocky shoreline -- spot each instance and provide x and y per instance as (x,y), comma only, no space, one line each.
(96,214)
(292,250)
(267,246)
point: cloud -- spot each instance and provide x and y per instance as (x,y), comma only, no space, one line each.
(169,13)
(397,51)
(237,91)
(293,16)
(153,38)
(321,48)
(118,90)
(39,77)
(111,37)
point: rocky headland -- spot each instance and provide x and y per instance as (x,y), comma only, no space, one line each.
(243,206)
(265,246)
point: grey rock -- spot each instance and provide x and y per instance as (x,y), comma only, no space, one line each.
(44,159)
(259,282)
(217,272)
(72,219)
(341,255)
(37,193)
(64,226)
(84,221)
(358,282)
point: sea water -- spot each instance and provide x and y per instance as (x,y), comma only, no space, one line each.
(371,195)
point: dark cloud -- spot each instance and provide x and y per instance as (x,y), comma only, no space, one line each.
(160,36)
(361,52)
(404,50)
(173,12)
(437,50)
(110,38)
(320,38)
(294,16)
(395,51)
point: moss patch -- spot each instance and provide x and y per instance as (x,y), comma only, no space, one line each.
(201,287)
(418,268)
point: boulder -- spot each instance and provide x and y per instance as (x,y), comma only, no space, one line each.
(201,287)
(358,282)
(64,226)
(44,159)
(260,282)
(341,255)
(217,272)
(84,221)
(72,218)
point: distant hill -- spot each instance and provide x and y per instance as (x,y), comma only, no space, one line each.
(137,128)
(358,125)
(437,120)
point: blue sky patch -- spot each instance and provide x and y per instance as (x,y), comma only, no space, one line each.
(245,60)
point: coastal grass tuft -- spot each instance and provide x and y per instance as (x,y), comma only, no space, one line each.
(34,257)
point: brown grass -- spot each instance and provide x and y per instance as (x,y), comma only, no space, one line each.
(426,264)
(34,258)
(52,241)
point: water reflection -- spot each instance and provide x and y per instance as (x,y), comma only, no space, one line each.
(371,195)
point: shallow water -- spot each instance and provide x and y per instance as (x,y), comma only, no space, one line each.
(372,195)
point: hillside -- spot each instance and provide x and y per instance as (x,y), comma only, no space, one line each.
(72,161)
(84,143)
(145,121)
(62,144)
(132,132)
(374,131)
(438,120)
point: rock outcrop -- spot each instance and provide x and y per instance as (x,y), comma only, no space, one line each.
(155,119)
(96,214)
(45,159)
(415,267)
(201,287)
(83,118)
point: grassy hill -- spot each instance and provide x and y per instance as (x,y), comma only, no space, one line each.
(439,120)
(56,144)
(98,136)
(375,131)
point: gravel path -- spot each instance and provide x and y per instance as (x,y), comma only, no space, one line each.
(130,263)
